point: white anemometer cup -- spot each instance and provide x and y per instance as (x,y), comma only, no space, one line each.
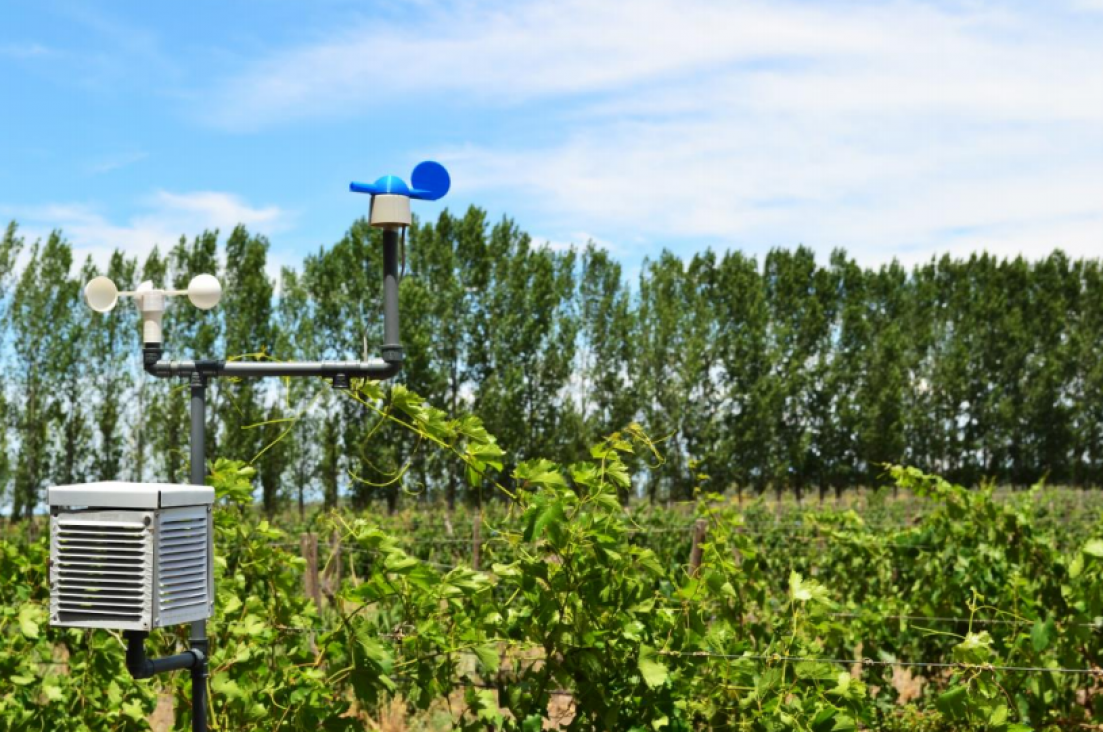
(102,295)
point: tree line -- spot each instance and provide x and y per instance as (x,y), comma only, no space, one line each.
(775,373)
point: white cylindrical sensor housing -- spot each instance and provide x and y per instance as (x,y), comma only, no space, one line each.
(390,210)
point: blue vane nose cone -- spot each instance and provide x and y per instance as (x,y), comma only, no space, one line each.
(392,184)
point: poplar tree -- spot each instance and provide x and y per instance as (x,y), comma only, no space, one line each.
(41,305)
(111,347)
(72,368)
(248,334)
(526,332)
(345,284)
(1086,388)
(10,247)
(607,392)
(660,344)
(296,341)
(880,402)
(742,346)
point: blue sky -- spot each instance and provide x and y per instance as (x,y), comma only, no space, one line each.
(893,129)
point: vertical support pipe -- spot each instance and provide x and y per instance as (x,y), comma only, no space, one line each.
(198,429)
(392,343)
(198,477)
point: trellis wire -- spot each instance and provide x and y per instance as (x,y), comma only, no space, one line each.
(844,661)
(944,619)
(903,664)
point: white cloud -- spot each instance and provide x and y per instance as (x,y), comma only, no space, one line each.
(576,240)
(902,55)
(888,128)
(164,217)
(1091,5)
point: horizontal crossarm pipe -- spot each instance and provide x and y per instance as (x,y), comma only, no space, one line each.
(376,369)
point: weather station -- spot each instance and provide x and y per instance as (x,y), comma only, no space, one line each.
(139,556)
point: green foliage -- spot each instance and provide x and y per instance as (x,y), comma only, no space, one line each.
(592,602)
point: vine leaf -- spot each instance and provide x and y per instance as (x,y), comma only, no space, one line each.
(653,671)
(549,515)
(488,657)
(540,472)
(28,623)
(1094,548)
(802,590)
(1041,634)
(953,703)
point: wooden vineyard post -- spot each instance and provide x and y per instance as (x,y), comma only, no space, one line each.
(331,579)
(311,588)
(700,531)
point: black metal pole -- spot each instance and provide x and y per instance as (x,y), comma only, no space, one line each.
(392,342)
(199,477)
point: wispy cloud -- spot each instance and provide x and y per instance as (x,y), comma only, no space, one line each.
(1091,5)
(578,241)
(164,217)
(838,57)
(109,163)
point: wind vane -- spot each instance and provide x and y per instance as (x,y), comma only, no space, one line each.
(390,204)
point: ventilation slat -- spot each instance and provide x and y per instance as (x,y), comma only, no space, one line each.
(80,560)
(99,582)
(183,595)
(128,536)
(190,547)
(102,606)
(196,524)
(126,613)
(101,598)
(96,588)
(199,590)
(184,584)
(186,565)
(66,539)
(175,562)
(99,526)
(78,573)
(201,600)
(113,549)
(199,575)
(183,537)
